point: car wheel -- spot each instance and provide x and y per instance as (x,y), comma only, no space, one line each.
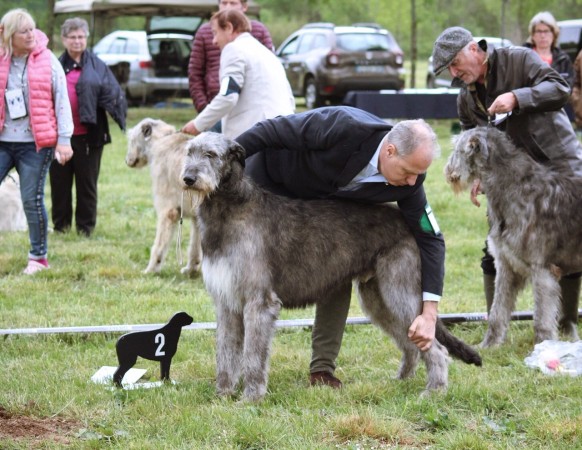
(131,101)
(312,97)
(430,82)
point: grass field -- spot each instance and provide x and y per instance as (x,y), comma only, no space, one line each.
(99,281)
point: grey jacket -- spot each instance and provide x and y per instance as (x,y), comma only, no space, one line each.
(539,124)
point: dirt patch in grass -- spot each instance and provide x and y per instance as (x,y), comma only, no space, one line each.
(36,430)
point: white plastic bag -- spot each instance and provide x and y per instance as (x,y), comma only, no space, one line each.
(557,357)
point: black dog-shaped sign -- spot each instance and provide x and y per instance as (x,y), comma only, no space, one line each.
(156,345)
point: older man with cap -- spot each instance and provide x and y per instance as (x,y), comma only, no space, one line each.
(524,96)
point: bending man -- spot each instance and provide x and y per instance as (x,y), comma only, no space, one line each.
(345,152)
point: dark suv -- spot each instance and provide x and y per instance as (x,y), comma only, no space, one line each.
(323,61)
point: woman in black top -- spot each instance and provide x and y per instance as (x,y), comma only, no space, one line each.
(92,89)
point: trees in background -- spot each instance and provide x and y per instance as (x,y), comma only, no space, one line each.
(417,23)
(482,17)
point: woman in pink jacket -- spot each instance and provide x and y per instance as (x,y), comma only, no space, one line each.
(35,121)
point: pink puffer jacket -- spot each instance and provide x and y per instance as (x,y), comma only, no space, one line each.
(41,103)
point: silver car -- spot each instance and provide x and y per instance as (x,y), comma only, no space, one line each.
(150,66)
(444,79)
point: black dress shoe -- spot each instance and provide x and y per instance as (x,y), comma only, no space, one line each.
(324,379)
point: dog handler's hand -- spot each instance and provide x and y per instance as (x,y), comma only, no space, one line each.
(63,153)
(475,191)
(422,330)
(503,104)
(190,128)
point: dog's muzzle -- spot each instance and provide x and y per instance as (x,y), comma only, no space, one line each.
(450,174)
(189,181)
(453,179)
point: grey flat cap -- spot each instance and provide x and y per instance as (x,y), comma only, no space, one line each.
(447,45)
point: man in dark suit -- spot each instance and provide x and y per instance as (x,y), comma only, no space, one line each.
(345,152)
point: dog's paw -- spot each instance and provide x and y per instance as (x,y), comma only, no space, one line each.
(226,393)
(254,395)
(191,271)
(153,268)
(545,335)
(490,343)
(570,331)
(433,391)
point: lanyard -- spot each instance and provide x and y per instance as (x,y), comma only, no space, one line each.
(23,73)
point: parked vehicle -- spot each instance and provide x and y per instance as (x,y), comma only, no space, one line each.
(570,38)
(323,61)
(150,66)
(444,79)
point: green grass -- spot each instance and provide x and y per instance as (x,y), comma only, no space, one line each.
(98,281)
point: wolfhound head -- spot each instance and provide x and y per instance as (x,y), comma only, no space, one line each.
(213,162)
(141,137)
(468,159)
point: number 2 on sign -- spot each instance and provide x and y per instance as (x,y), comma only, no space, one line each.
(160,339)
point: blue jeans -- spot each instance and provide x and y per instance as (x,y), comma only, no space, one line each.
(32,167)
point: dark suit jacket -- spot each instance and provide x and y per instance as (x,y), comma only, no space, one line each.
(315,153)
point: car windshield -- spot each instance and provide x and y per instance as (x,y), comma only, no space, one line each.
(358,42)
(174,24)
(569,34)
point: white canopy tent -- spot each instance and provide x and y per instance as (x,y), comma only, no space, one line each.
(102,10)
(113,8)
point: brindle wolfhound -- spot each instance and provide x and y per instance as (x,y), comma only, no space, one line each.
(534,212)
(263,252)
(156,143)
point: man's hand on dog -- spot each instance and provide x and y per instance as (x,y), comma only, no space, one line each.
(190,128)
(422,330)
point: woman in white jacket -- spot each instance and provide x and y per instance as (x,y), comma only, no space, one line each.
(253,84)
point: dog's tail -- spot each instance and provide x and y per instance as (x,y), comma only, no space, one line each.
(457,348)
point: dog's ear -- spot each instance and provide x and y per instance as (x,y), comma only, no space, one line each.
(237,152)
(478,142)
(146,130)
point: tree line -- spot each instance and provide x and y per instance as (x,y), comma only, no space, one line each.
(414,23)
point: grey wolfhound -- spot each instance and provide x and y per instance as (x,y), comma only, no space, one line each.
(157,143)
(263,252)
(535,217)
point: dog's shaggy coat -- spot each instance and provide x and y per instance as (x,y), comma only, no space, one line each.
(12,216)
(263,252)
(535,216)
(156,143)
